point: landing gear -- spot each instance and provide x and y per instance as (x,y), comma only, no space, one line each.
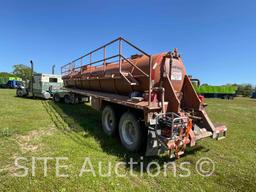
(72,99)
(67,99)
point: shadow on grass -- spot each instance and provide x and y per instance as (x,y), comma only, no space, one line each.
(30,97)
(83,118)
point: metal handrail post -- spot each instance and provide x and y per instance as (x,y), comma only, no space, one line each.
(120,53)
(150,82)
(90,63)
(104,59)
(81,64)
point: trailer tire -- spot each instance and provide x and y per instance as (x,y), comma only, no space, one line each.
(109,120)
(130,132)
(56,98)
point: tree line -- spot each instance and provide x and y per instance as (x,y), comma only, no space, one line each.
(19,70)
(245,90)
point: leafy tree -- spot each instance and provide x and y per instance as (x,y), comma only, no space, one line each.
(22,71)
(6,75)
(245,90)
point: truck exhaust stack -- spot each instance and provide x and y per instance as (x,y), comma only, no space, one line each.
(142,91)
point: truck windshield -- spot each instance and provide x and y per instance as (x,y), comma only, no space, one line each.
(53,80)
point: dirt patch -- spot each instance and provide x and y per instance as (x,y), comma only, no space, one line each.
(26,141)
(11,168)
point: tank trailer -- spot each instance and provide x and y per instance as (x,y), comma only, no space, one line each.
(148,100)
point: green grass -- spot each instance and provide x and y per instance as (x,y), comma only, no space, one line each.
(37,128)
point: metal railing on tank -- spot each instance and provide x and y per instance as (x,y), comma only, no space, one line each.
(73,67)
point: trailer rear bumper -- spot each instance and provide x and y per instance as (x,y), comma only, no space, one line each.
(154,147)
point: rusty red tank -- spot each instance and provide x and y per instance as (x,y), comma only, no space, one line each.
(108,78)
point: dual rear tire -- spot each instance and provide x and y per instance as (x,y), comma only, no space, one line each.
(129,128)
(109,120)
(67,98)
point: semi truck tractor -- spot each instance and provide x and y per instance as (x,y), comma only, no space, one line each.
(41,85)
(141,92)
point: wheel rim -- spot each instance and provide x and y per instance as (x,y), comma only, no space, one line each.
(108,121)
(19,93)
(129,132)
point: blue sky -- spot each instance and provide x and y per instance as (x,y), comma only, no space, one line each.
(217,39)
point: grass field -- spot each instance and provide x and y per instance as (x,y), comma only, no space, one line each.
(37,128)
